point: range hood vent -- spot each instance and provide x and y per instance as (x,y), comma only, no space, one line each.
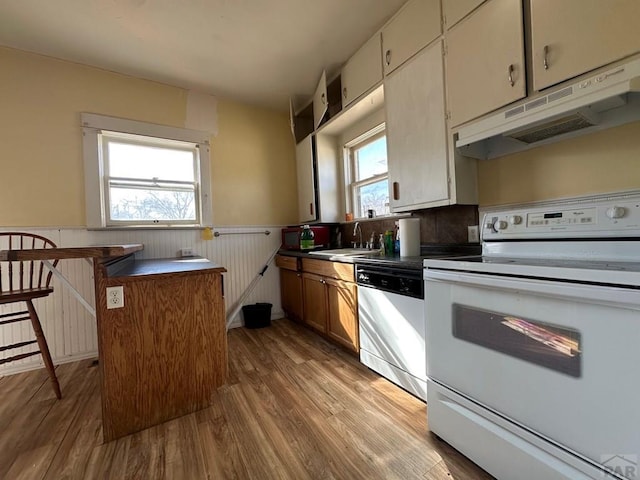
(570,123)
(605,100)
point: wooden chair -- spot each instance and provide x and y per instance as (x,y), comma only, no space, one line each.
(23,282)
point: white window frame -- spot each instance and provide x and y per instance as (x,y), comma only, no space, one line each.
(352,185)
(96,181)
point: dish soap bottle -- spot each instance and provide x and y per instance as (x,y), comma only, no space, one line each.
(382,244)
(306,238)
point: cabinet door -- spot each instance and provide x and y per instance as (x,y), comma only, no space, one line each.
(416,131)
(343,313)
(315,302)
(417,24)
(306,186)
(485,60)
(362,71)
(320,102)
(574,36)
(455,10)
(291,293)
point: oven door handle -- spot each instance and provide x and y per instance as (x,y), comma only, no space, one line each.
(584,293)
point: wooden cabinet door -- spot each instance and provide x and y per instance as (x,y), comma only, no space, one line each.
(291,293)
(315,302)
(416,132)
(342,300)
(485,60)
(579,36)
(455,10)
(417,24)
(306,185)
(362,71)
(320,101)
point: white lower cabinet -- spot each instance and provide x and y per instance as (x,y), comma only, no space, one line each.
(417,132)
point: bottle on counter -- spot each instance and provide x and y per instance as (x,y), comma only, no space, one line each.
(381,240)
(306,238)
(388,242)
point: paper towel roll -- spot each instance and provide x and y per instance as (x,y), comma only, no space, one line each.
(409,237)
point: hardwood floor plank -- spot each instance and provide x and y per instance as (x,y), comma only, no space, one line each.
(37,451)
(309,426)
(223,458)
(72,457)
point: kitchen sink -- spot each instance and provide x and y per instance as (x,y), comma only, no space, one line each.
(343,252)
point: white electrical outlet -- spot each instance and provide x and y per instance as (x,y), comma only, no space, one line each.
(115,297)
(186,252)
(472,234)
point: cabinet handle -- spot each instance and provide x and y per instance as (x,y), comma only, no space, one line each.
(344,92)
(322,99)
(511,82)
(311,209)
(396,191)
(387,57)
(545,53)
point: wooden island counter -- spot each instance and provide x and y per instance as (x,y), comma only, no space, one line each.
(164,353)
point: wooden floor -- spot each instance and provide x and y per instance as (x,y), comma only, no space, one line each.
(295,407)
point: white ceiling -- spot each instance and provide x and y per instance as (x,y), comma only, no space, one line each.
(255,51)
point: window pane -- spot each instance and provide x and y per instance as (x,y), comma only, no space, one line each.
(151,204)
(373,196)
(143,161)
(371,159)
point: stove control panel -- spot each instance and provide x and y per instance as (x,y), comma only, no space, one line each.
(571,219)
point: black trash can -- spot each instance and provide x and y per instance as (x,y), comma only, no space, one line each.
(257,315)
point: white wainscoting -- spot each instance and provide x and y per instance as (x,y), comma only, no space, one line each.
(71,330)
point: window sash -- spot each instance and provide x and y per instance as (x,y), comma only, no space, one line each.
(355,174)
(353,184)
(166,185)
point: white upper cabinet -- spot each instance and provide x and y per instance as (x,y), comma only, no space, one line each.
(415,26)
(571,37)
(455,10)
(306,184)
(320,101)
(416,132)
(485,60)
(362,71)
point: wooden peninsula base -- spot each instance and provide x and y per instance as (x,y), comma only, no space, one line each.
(164,353)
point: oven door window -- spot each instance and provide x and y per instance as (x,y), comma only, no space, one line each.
(543,344)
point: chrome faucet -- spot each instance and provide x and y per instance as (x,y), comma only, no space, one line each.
(357,229)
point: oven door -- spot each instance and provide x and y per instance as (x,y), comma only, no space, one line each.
(561,359)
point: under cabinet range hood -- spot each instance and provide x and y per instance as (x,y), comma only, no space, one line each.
(603,100)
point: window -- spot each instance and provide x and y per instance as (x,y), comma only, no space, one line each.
(143,175)
(367,174)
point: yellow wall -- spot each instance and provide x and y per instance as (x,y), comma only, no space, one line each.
(603,162)
(253,167)
(41,166)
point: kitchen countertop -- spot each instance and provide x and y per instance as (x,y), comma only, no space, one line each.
(374,258)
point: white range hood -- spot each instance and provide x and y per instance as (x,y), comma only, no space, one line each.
(604,100)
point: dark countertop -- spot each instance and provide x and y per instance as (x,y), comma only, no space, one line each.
(158,266)
(374,258)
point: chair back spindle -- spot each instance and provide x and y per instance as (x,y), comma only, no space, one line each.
(26,274)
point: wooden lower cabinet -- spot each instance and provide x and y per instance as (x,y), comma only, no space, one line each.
(342,308)
(323,295)
(315,302)
(291,293)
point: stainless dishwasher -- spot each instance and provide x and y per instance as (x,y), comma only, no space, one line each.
(392,325)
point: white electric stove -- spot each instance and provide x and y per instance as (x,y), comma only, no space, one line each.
(533,348)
